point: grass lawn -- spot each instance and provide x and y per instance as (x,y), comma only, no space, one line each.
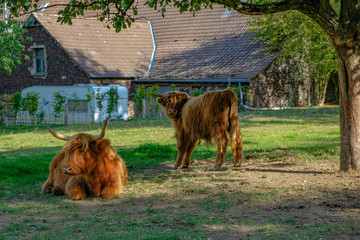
(288,187)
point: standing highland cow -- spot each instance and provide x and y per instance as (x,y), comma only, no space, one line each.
(209,116)
(87,166)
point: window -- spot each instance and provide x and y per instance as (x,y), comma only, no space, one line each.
(39,60)
(78,105)
(39,68)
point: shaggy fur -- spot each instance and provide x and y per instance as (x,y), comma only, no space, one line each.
(209,116)
(86,168)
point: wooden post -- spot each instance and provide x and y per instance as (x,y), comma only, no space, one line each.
(66,114)
(309,94)
(257,102)
(143,108)
(240,95)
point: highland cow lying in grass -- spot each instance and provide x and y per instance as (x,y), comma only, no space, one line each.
(209,116)
(87,166)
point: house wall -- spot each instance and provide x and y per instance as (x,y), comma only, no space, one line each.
(276,86)
(60,69)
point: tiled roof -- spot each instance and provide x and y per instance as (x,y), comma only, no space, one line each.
(213,44)
(100,51)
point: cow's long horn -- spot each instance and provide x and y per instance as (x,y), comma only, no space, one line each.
(102,134)
(157,95)
(57,135)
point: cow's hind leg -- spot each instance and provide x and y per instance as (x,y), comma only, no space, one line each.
(179,158)
(75,188)
(236,145)
(109,192)
(221,142)
(187,158)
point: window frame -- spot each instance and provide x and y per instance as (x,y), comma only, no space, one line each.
(36,59)
(78,100)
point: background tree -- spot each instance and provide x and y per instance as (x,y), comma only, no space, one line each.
(11,45)
(342,26)
(302,43)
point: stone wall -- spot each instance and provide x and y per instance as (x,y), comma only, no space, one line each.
(277,86)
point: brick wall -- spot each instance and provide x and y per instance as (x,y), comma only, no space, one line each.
(61,70)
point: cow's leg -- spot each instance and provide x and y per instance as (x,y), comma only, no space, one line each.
(109,192)
(236,145)
(181,146)
(221,142)
(75,188)
(187,157)
(48,185)
(54,176)
(180,157)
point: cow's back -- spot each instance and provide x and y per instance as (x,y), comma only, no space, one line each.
(204,116)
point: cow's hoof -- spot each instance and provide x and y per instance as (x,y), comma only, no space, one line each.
(237,165)
(185,166)
(77,198)
(174,168)
(56,192)
(44,191)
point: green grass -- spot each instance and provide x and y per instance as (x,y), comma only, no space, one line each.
(194,203)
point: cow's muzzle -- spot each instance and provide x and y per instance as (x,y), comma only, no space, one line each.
(67,170)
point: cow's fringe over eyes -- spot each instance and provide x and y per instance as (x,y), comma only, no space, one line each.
(80,141)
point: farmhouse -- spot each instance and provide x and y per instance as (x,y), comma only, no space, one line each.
(210,50)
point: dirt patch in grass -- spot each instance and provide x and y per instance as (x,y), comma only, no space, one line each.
(300,196)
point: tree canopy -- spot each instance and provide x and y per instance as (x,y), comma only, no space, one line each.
(11,47)
(297,37)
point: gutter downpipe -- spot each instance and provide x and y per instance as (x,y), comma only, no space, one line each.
(240,93)
(5,12)
(153,52)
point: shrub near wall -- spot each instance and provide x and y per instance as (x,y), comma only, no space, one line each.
(143,99)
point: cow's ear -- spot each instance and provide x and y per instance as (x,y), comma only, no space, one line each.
(104,149)
(185,97)
(102,144)
(161,101)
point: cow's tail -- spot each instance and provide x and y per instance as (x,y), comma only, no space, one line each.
(234,130)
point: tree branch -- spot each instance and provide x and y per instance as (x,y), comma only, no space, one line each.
(319,10)
(350,21)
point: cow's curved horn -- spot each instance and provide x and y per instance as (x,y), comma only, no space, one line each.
(157,95)
(102,134)
(57,135)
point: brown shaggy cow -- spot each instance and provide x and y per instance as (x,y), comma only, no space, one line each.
(87,166)
(209,116)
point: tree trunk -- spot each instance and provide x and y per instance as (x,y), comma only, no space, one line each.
(349,94)
(322,84)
